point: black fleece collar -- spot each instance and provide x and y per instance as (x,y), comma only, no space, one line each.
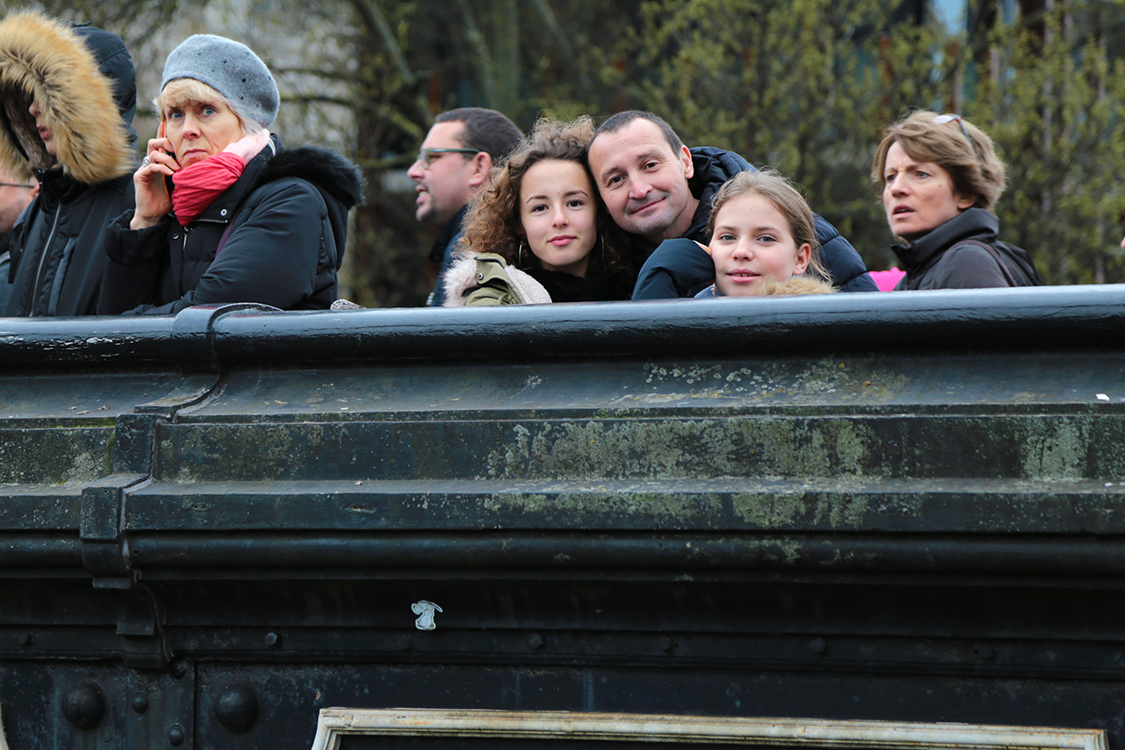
(925,251)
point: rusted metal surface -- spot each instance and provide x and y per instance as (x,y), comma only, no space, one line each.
(897,508)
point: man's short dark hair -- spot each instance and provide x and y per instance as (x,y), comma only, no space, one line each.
(621,119)
(485,129)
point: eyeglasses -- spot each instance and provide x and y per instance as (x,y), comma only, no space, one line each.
(15,184)
(942,119)
(428,155)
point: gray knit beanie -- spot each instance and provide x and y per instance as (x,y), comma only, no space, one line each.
(230,68)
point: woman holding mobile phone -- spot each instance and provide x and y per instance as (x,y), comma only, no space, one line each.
(224,214)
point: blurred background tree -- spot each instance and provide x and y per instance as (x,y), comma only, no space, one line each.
(804,86)
(1054,105)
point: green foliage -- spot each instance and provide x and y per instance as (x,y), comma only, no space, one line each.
(806,87)
(802,86)
(1056,113)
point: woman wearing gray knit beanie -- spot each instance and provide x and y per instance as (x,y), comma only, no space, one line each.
(224,214)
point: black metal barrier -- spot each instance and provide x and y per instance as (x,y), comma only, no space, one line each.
(856,508)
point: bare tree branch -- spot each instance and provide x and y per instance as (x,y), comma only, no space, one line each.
(484,57)
(555,32)
(372,17)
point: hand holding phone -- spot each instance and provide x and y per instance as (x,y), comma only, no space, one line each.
(153,201)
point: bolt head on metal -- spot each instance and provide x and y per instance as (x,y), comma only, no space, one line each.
(178,668)
(176,735)
(273,640)
(140,703)
(819,646)
(236,708)
(84,705)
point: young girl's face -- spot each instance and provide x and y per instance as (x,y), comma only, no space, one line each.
(559,215)
(753,244)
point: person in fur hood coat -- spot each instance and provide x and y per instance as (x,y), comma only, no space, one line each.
(223,213)
(67,98)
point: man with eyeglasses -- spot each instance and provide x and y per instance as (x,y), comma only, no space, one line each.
(452,167)
(14,197)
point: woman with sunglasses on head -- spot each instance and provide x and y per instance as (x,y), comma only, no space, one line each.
(224,214)
(941,179)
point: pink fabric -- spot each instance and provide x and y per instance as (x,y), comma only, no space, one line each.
(249,146)
(199,185)
(886,280)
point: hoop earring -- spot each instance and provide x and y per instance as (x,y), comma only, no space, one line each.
(519,261)
(602,237)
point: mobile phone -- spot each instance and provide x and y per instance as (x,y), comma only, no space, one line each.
(161,132)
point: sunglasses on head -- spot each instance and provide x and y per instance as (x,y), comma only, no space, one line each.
(942,119)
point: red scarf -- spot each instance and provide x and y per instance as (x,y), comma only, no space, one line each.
(199,185)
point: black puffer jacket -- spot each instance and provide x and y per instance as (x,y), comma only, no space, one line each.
(287,221)
(951,257)
(82,78)
(679,269)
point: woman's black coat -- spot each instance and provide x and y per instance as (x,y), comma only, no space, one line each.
(285,227)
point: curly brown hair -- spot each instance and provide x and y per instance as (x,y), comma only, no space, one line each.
(493,223)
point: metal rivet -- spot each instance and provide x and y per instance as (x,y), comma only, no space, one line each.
(480,277)
(178,668)
(175,236)
(273,640)
(84,705)
(667,645)
(535,640)
(223,212)
(237,708)
(140,703)
(176,735)
(25,639)
(819,646)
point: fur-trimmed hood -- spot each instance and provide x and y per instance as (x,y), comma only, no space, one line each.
(792,286)
(325,168)
(492,270)
(83,79)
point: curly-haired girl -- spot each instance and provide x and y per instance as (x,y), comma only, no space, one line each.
(543,216)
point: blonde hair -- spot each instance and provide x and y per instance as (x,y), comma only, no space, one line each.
(967,154)
(777,190)
(180,91)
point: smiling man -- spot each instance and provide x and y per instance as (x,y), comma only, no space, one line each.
(451,168)
(657,189)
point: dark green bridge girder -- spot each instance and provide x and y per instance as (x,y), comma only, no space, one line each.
(897,507)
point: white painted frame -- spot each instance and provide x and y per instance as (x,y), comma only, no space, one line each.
(814,734)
